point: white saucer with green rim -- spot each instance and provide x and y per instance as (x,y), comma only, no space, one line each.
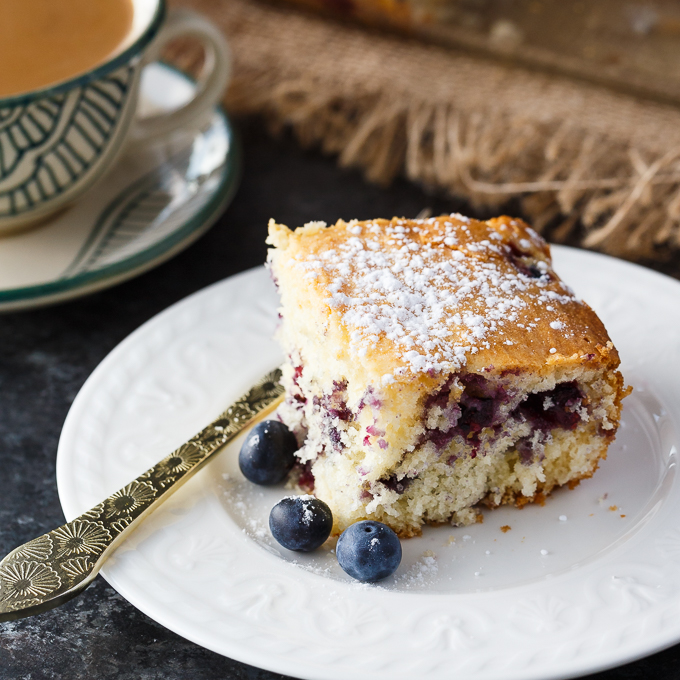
(152,204)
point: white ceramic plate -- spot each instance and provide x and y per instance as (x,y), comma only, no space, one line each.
(550,598)
(155,201)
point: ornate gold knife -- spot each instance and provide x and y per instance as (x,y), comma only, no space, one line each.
(55,567)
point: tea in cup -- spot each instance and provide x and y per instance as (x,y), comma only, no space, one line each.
(68,93)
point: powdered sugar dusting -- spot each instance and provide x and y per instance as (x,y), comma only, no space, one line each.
(307,508)
(421,573)
(430,288)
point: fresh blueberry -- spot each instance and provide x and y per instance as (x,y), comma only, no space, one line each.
(301,522)
(369,551)
(268,453)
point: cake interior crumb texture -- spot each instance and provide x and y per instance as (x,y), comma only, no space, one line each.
(435,366)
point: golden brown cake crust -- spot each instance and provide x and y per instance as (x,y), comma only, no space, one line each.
(435,365)
(539,323)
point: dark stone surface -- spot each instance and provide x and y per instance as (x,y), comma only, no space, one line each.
(46,355)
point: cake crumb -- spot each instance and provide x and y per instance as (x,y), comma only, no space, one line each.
(451,540)
(505,528)
(613,508)
(622,515)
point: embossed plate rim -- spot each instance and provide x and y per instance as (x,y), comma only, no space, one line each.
(476,635)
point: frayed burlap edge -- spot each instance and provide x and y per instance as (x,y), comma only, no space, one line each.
(592,164)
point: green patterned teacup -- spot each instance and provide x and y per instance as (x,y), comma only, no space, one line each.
(56,141)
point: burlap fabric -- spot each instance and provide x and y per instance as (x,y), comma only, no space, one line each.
(586,162)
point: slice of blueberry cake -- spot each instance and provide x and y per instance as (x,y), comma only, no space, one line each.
(435,365)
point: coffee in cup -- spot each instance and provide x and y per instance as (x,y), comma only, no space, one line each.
(43,42)
(69,83)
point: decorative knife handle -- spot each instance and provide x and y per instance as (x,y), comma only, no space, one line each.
(56,566)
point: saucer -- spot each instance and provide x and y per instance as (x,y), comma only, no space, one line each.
(155,201)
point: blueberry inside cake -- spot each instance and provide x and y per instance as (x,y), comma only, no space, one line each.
(437,365)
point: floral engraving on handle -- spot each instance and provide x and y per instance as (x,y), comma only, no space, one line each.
(80,537)
(183,459)
(79,566)
(38,549)
(129,499)
(27,580)
(53,567)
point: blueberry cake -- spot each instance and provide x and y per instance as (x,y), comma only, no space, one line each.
(437,365)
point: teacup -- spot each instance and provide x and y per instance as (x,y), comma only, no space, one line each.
(57,140)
